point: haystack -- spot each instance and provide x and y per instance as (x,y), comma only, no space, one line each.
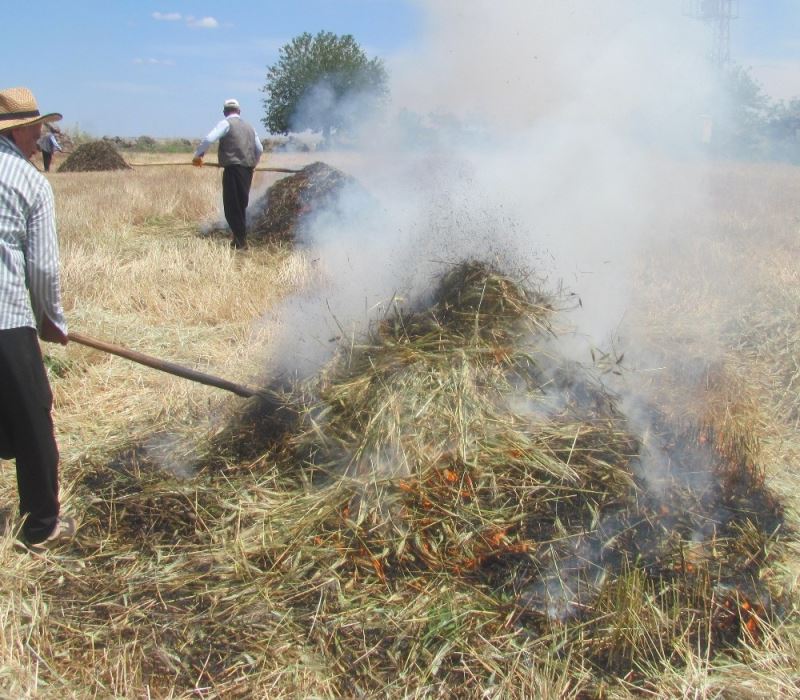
(453,508)
(94,156)
(286,206)
(456,447)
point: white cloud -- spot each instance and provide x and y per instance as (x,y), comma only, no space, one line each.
(154,61)
(191,21)
(167,16)
(202,23)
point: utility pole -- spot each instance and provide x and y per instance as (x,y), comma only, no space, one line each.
(717,14)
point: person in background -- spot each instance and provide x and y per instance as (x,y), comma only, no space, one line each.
(239,152)
(30,302)
(48,145)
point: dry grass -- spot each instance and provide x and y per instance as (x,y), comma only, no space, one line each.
(209,565)
(135,273)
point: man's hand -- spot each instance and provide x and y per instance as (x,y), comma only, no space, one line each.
(197,161)
(51,332)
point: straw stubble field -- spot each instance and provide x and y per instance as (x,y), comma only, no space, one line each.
(210,564)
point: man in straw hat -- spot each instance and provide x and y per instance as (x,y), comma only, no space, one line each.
(30,302)
(239,152)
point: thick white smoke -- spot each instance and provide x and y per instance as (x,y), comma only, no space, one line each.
(556,136)
(544,133)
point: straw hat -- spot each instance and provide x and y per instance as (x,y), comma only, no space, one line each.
(18,108)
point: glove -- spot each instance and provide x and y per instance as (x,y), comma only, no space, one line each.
(197,161)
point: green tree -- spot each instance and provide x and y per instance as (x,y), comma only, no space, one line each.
(746,111)
(321,83)
(784,131)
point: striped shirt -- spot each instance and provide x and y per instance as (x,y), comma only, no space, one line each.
(29,274)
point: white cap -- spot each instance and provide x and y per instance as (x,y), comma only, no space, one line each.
(231,104)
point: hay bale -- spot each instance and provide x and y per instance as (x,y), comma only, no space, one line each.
(281,212)
(94,156)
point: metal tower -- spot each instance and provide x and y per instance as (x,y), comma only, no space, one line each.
(718,15)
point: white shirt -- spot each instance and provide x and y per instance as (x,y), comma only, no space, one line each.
(48,143)
(218,132)
(29,272)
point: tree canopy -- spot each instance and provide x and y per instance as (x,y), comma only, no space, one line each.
(321,83)
(751,124)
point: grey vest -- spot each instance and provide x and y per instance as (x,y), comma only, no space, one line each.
(238,147)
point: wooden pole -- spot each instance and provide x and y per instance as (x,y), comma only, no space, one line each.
(214,165)
(170,367)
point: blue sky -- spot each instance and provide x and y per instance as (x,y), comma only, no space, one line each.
(133,67)
(766,38)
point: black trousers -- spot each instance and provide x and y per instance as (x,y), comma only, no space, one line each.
(26,430)
(46,158)
(236,181)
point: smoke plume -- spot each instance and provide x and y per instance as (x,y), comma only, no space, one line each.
(533,133)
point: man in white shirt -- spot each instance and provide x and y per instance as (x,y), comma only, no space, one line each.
(30,302)
(48,145)
(239,152)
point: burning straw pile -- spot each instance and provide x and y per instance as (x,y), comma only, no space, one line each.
(451,509)
(281,212)
(94,156)
(474,499)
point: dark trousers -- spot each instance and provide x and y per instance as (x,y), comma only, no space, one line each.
(46,158)
(236,181)
(26,430)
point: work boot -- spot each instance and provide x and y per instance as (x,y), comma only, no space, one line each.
(64,531)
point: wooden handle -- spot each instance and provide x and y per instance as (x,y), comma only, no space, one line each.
(170,367)
(215,165)
(276,170)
